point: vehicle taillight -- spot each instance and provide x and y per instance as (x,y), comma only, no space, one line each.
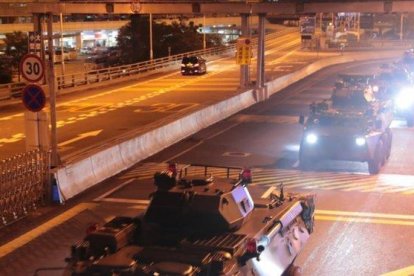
(92,228)
(246,176)
(251,246)
(172,167)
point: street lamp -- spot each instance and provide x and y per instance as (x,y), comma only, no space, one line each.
(150,31)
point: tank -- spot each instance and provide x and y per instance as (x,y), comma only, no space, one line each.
(353,125)
(201,225)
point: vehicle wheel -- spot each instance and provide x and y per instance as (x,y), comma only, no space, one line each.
(389,144)
(374,165)
(292,270)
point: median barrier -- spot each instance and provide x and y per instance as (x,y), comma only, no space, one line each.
(73,178)
(76,177)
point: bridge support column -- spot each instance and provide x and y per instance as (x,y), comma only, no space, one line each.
(261,90)
(244,69)
(55,160)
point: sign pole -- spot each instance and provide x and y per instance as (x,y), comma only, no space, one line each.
(51,81)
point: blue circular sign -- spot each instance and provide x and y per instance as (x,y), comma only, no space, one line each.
(34,98)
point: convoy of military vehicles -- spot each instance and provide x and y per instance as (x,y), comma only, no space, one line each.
(354,124)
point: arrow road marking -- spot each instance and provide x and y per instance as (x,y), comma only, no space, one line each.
(80,137)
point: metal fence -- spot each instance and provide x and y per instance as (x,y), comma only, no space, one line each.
(23,184)
(111,73)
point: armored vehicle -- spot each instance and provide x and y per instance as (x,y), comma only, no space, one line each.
(401,86)
(350,127)
(201,225)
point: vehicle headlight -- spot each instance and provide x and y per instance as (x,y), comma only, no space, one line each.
(360,141)
(311,138)
(405,99)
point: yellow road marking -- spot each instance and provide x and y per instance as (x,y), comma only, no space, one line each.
(365,220)
(365,217)
(364,214)
(45,227)
(409,270)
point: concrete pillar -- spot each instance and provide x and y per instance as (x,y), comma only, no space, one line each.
(244,69)
(260,79)
(55,161)
(79,42)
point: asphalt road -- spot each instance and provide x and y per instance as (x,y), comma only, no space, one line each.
(100,117)
(364,223)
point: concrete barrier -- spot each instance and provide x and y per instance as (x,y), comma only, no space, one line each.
(74,178)
(81,175)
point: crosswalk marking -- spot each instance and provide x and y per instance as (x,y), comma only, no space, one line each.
(347,182)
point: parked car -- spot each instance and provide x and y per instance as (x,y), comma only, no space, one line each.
(109,58)
(193,65)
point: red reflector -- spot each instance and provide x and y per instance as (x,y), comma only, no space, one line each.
(251,246)
(172,167)
(246,175)
(91,228)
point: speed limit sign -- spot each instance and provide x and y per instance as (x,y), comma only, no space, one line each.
(32,68)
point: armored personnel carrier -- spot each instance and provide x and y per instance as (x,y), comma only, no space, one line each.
(352,126)
(201,225)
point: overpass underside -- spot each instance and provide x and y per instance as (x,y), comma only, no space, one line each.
(8,8)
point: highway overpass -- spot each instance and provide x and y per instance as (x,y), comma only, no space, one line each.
(8,8)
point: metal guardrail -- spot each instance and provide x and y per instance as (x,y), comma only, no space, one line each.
(14,90)
(107,74)
(110,73)
(23,184)
(11,90)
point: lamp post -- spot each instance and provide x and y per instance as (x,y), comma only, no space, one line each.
(150,31)
(61,46)
(204,32)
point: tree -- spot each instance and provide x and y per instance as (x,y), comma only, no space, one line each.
(5,69)
(16,47)
(133,39)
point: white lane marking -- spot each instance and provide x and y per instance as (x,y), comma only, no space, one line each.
(125,200)
(114,190)
(199,143)
(268,192)
(80,137)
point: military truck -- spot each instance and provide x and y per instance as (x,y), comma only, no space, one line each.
(351,126)
(201,225)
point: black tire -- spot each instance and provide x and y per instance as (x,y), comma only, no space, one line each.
(292,270)
(388,144)
(374,165)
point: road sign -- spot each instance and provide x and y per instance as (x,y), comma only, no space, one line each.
(34,43)
(34,98)
(32,68)
(244,51)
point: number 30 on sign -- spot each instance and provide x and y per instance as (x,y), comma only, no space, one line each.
(32,68)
